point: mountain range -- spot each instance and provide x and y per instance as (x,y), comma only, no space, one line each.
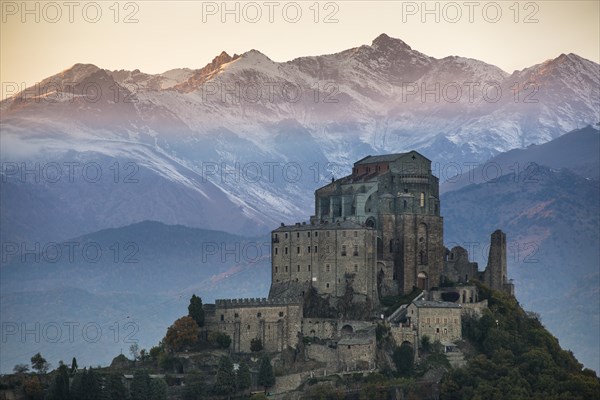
(230,150)
(234,144)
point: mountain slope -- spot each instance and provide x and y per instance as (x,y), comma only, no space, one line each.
(552,226)
(132,282)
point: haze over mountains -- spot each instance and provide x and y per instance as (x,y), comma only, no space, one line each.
(241,144)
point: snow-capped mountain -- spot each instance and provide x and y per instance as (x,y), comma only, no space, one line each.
(265,134)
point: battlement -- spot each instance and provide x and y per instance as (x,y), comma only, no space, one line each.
(255,302)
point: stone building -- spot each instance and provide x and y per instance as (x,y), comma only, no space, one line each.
(398,196)
(276,322)
(439,320)
(326,257)
(375,232)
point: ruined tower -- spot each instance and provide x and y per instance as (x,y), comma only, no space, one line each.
(495,275)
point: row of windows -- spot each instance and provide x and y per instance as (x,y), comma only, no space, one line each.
(437,321)
(355,233)
(316,250)
(298,268)
(258,315)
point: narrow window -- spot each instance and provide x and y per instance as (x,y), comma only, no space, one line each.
(343,250)
(258,315)
(298,268)
(308,233)
(286,236)
(286,268)
(405,204)
(286,250)
(298,250)
(355,253)
(308,267)
(316,234)
(316,249)
(422,199)
(327,268)
(275,250)
(222,317)
(327,285)
(308,249)
(391,246)
(355,268)
(276,269)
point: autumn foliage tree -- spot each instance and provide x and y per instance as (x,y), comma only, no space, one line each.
(182,334)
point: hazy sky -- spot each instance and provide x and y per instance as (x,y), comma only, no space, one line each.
(44,38)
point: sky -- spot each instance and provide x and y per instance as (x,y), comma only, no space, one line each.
(41,38)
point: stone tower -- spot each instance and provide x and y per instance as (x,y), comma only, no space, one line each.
(398,196)
(495,274)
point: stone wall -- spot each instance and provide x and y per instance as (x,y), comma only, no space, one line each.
(327,257)
(276,323)
(438,320)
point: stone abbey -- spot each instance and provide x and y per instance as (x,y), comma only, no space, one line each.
(377,232)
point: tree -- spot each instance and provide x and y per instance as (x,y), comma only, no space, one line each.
(223,340)
(114,388)
(39,364)
(243,377)
(33,388)
(225,382)
(59,388)
(73,365)
(86,386)
(266,377)
(194,386)
(426,343)
(403,357)
(256,345)
(134,350)
(140,386)
(182,334)
(20,369)
(158,389)
(155,352)
(196,310)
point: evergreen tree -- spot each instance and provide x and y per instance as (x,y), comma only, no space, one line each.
(196,311)
(158,389)
(194,387)
(114,389)
(77,388)
(266,377)
(243,377)
(73,365)
(59,388)
(403,357)
(225,383)
(86,386)
(93,386)
(140,386)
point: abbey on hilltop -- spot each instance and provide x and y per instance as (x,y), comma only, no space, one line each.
(376,233)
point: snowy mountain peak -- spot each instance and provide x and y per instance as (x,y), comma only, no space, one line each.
(255,56)
(384,42)
(76,73)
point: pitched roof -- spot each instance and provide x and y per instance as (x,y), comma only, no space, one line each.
(435,304)
(380,158)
